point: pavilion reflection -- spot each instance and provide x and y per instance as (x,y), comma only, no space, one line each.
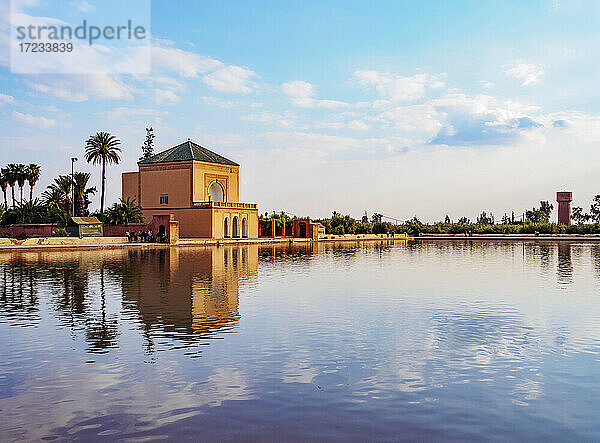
(186,293)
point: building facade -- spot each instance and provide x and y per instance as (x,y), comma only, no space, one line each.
(200,188)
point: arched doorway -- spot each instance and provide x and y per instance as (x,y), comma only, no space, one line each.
(244,228)
(216,192)
(236,227)
(302,227)
(161,233)
(226,227)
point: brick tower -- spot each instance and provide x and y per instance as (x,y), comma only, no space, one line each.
(564,200)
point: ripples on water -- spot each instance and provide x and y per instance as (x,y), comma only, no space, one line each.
(413,340)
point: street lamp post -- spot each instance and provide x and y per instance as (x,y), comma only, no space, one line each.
(73,160)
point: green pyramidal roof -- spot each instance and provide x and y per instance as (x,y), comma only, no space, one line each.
(188,151)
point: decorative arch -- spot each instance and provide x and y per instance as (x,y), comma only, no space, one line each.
(244,227)
(235,228)
(226,233)
(216,193)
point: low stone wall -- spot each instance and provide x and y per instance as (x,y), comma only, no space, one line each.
(63,241)
(361,236)
(29,230)
(120,230)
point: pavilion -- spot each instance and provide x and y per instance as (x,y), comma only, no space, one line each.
(199,187)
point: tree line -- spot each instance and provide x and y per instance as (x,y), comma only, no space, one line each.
(17,175)
(69,194)
(536,219)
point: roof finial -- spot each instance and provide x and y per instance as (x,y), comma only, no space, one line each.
(189,139)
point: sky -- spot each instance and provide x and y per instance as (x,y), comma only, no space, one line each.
(403,108)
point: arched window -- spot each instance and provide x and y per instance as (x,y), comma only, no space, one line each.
(216,192)
(236,227)
(226,227)
(244,227)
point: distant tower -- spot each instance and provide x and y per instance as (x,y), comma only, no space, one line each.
(564,200)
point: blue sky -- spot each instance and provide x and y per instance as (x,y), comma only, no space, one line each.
(404,108)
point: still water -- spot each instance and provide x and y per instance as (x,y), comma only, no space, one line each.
(448,341)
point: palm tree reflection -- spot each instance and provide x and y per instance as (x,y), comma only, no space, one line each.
(19,293)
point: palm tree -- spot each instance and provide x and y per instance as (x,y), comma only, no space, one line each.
(58,194)
(30,212)
(102,148)
(21,172)
(11,175)
(33,175)
(124,212)
(81,191)
(4,185)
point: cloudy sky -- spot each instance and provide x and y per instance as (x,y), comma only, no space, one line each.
(402,108)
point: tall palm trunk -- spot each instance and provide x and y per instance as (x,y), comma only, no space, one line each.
(21,188)
(12,191)
(5,200)
(30,193)
(103,185)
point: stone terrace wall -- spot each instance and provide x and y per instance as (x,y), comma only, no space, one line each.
(120,230)
(32,230)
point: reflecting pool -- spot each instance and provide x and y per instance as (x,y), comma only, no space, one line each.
(412,340)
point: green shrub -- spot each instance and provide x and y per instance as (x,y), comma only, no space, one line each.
(338,230)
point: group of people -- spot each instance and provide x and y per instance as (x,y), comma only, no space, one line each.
(145,236)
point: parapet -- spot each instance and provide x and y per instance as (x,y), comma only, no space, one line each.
(564,196)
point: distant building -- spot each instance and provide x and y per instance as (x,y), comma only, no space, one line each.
(199,187)
(564,200)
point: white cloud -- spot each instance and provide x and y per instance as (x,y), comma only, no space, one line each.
(398,88)
(358,125)
(165,96)
(81,87)
(330,125)
(482,120)
(4,98)
(83,6)
(40,122)
(355,125)
(169,82)
(421,121)
(185,63)
(311,140)
(322,143)
(298,89)
(483,104)
(316,103)
(528,73)
(231,79)
(218,102)
(270,118)
(302,94)
(124,112)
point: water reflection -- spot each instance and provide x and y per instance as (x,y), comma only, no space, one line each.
(564,269)
(19,294)
(183,294)
(416,340)
(186,295)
